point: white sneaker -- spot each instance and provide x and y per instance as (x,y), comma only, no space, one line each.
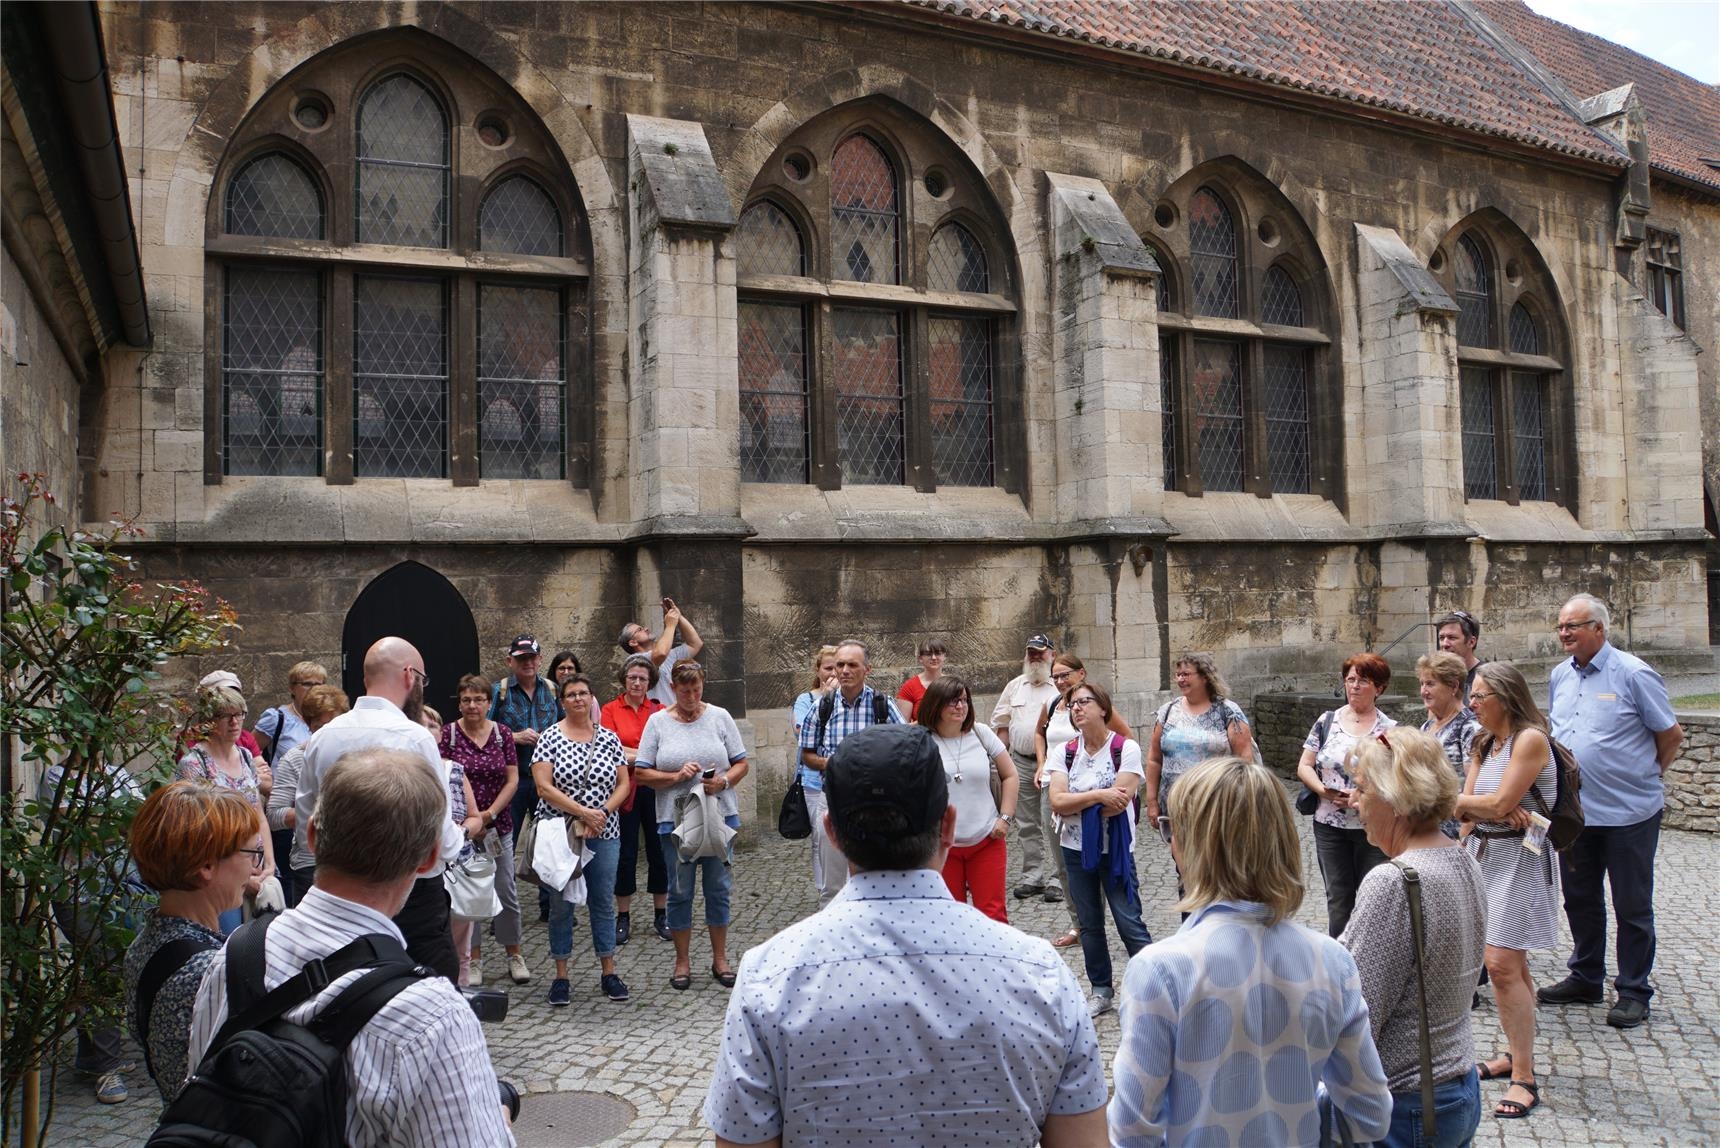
(1100,1002)
(475,973)
(518,971)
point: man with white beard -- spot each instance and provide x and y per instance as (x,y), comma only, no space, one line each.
(1015,720)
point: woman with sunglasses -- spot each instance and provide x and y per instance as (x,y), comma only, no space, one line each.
(1094,779)
(1510,766)
(975,864)
(199,847)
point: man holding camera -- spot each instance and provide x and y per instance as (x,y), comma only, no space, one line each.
(662,648)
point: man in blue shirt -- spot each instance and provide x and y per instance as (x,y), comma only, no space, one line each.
(1611,710)
(525,703)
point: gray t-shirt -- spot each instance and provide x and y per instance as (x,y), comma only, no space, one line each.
(669,743)
(1454,916)
(664,690)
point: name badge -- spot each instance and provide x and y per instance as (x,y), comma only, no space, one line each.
(1606,697)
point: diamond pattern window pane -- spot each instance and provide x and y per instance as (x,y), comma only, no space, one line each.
(272,369)
(1212,255)
(1524,334)
(769,243)
(274,196)
(1474,296)
(519,218)
(1216,382)
(1528,410)
(399,378)
(864,219)
(1280,301)
(520,382)
(1167,402)
(773,392)
(956,261)
(960,354)
(1480,451)
(1162,283)
(868,384)
(1287,417)
(402,165)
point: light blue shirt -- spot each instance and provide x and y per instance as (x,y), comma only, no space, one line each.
(899,1016)
(805,706)
(1607,714)
(284,728)
(1230,1027)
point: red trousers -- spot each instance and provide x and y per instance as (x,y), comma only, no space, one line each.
(978,869)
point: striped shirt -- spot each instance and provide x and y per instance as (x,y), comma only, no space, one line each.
(418,1074)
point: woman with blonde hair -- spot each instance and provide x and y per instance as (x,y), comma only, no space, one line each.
(1511,774)
(218,759)
(1230,1027)
(1404,790)
(829,869)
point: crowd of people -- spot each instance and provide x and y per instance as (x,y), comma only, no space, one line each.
(1430,842)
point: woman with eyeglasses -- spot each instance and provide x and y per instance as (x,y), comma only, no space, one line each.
(1056,728)
(199,847)
(1340,843)
(685,747)
(974,868)
(1511,775)
(1203,723)
(1094,779)
(627,715)
(931,654)
(581,775)
(219,760)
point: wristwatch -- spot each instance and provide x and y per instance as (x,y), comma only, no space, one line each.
(1006,818)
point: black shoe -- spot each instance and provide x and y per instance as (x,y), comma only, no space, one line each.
(1053,894)
(1627,1013)
(1570,991)
(623,927)
(1023,892)
(660,923)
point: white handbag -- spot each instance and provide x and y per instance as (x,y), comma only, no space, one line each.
(471,886)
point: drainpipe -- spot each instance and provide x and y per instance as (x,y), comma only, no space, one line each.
(74,43)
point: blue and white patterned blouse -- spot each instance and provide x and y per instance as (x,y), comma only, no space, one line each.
(1231,1027)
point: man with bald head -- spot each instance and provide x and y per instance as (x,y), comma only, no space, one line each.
(388,716)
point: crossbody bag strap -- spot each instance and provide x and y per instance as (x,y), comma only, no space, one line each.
(1418,937)
(166,961)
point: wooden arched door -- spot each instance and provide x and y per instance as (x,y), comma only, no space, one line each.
(414,602)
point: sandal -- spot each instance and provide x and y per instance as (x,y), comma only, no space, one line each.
(1487,1073)
(727,980)
(1516,1109)
(1073,936)
(681,982)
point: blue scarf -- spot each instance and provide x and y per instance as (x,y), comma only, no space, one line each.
(1118,857)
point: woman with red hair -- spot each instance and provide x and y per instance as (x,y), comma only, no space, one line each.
(197,845)
(1340,842)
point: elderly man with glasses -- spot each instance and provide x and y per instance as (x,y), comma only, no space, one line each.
(1610,708)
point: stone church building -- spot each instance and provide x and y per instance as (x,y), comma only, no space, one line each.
(1272,330)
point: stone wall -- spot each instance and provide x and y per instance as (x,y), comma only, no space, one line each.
(1693,780)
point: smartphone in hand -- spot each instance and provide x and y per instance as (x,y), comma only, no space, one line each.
(668,604)
(710,773)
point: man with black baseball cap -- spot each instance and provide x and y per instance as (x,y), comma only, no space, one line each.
(897,1014)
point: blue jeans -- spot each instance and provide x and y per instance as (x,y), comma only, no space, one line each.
(1089,892)
(684,875)
(599,904)
(1457,1112)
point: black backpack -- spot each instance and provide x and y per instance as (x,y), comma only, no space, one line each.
(265,1082)
(1566,815)
(827,707)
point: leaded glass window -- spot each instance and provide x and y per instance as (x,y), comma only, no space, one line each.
(519,217)
(520,381)
(1287,417)
(768,242)
(863,214)
(399,377)
(960,355)
(1212,255)
(1474,295)
(956,261)
(272,367)
(1216,374)
(1480,447)
(402,165)
(1280,301)
(1528,433)
(1168,387)
(773,377)
(1525,335)
(868,378)
(273,196)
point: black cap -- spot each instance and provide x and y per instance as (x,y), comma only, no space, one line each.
(1040,642)
(524,646)
(893,774)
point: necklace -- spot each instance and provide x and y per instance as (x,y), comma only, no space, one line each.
(954,751)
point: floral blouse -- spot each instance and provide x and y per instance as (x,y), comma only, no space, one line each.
(1329,758)
(197,765)
(1456,739)
(486,766)
(1187,739)
(584,770)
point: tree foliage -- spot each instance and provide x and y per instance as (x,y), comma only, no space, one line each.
(82,643)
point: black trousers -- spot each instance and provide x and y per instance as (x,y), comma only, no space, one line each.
(1345,858)
(1622,856)
(424,922)
(633,827)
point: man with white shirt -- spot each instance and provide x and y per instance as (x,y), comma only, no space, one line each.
(418,1073)
(389,716)
(898,1015)
(1015,720)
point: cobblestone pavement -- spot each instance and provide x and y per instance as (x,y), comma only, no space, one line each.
(1658,1084)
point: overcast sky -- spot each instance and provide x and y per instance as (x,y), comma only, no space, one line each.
(1683,34)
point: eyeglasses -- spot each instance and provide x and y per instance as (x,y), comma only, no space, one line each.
(1475,697)
(296,685)
(256,856)
(1164,826)
(423,677)
(1062,676)
(1572,627)
(1077,703)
